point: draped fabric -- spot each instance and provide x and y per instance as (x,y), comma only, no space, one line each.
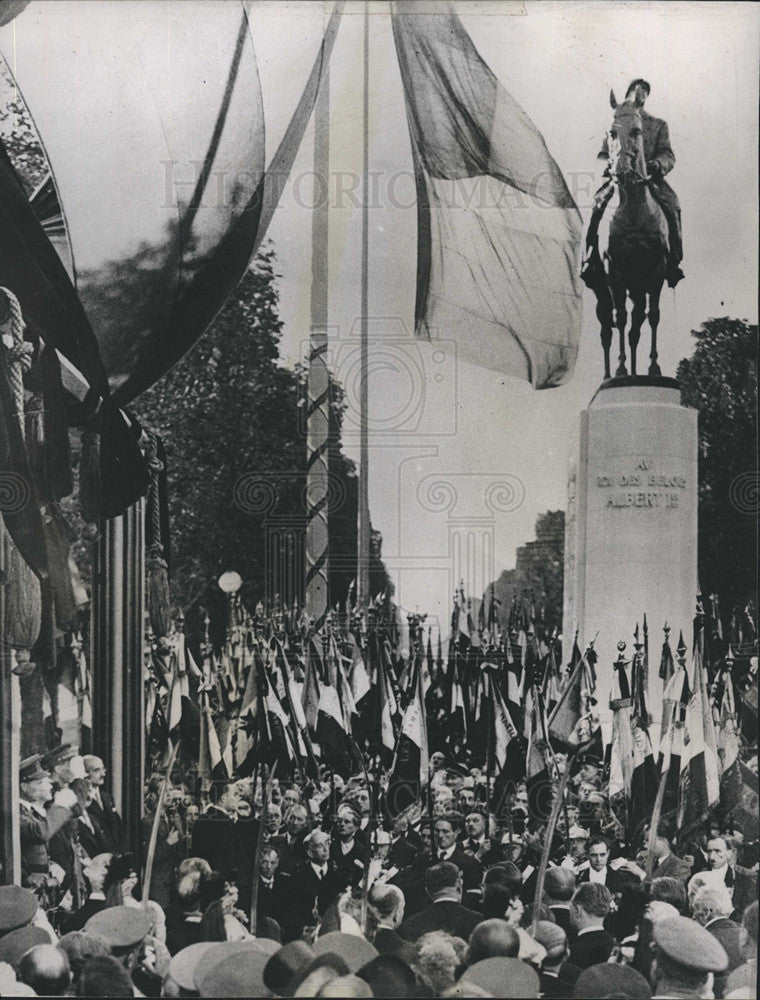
(498,231)
(159,161)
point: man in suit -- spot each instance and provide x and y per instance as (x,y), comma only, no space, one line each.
(388,903)
(711,907)
(183,921)
(660,160)
(599,871)
(290,844)
(559,887)
(592,944)
(445,832)
(444,886)
(102,807)
(402,852)
(273,888)
(226,844)
(314,884)
(667,864)
(557,977)
(743,885)
(346,852)
(476,842)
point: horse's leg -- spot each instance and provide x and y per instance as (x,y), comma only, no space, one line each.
(617,283)
(654,322)
(638,296)
(604,315)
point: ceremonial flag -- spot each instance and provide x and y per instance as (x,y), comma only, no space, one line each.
(410,769)
(388,712)
(564,720)
(700,782)
(333,733)
(729,745)
(357,672)
(621,744)
(537,775)
(644,777)
(310,693)
(247,722)
(666,659)
(498,232)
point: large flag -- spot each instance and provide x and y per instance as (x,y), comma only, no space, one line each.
(537,772)
(333,733)
(564,720)
(621,744)
(498,232)
(411,764)
(644,778)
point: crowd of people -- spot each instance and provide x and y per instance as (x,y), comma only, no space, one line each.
(310,889)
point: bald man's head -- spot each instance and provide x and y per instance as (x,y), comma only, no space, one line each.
(46,969)
(493,938)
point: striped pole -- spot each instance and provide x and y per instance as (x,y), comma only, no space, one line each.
(318,413)
(362,576)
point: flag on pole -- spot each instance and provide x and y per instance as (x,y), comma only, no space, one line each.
(411,764)
(564,720)
(700,781)
(498,232)
(333,734)
(621,744)
(644,777)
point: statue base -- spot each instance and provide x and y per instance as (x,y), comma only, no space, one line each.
(631,528)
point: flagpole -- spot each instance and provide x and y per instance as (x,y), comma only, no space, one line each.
(266,779)
(318,411)
(156,823)
(551,826)
(362,585)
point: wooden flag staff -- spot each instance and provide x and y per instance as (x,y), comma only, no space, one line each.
(160,805)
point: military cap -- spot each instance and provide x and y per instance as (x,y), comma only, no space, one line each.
(30,769)
(503,977)
(607,980)
(17,907)
(355,951)
(58,755)
(183,965)
(288,963)
(687,943)
(123,927)
(239,973)
(18,942)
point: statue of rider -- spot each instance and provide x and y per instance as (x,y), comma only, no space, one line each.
(660,160)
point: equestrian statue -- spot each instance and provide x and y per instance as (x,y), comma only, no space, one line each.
(645,247)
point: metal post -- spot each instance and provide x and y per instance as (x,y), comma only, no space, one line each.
(10,742)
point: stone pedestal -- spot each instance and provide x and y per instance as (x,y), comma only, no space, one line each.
(631,527)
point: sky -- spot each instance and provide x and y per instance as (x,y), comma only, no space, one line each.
(462,459)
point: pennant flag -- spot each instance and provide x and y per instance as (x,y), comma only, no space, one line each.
(409,774)
(498,233)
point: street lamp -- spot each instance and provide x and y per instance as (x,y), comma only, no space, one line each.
(230,583)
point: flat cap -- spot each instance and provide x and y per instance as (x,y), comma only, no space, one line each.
(503,977)
(123,927)
(687,943)
(17,907)
(355,951)
(239,974)
(183,965)
(18,942)
(58,755)
(606,980)
(30,769)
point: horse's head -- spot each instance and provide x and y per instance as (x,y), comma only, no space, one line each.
(626,142)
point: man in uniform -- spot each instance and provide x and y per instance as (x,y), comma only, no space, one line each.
(39,820)
(660,160)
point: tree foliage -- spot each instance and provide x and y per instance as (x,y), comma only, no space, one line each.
(537,579)
(233,423)
(720,381)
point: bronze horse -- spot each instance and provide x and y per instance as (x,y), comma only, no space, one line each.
(638,246)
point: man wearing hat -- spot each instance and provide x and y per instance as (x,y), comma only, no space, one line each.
(40,819)
(660,160)
(58,763)
(685,956)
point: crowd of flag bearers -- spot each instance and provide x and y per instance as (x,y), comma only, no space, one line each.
(347,813)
